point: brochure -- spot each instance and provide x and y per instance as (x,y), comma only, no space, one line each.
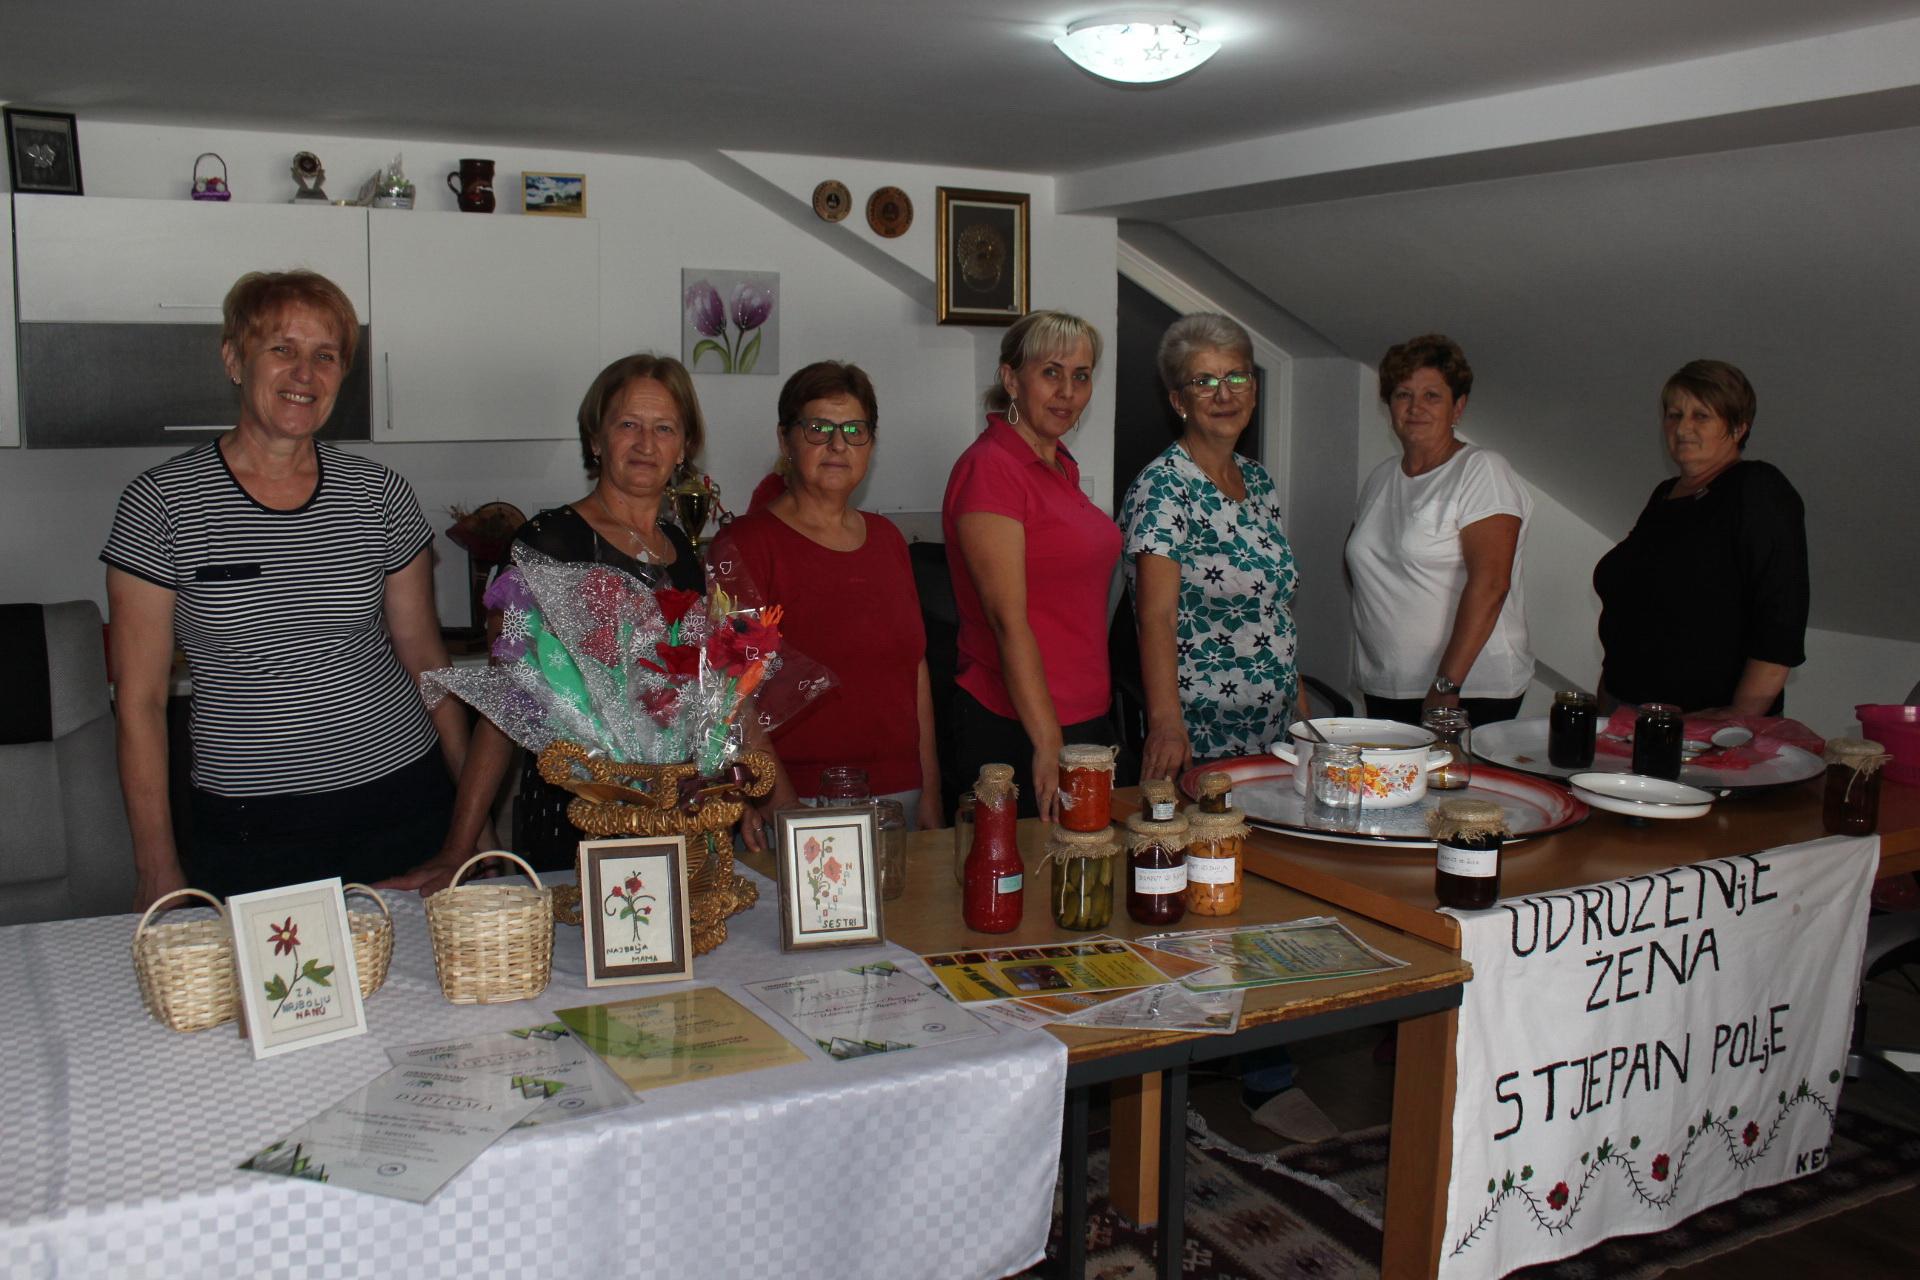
(694,1034)
(404,1135)
(1266,954)
(541,1062)
(1171,1007)
(1066,968)
(869,1009)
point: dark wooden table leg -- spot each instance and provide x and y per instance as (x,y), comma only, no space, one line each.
(1173,1173)
(1073,1191)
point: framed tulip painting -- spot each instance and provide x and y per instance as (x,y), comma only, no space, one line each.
(293,951)
(980,276)
(829,882)
(729,320)
(633,910)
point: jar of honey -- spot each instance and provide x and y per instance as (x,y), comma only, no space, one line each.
(1851,803)
(1083,875)
(1086,787)
(1468,836)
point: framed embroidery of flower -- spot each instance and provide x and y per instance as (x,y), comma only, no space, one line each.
(829,886)
(633,910)
(294,952)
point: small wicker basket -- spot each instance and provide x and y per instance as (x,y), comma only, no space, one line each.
(186,970)
(492,943)
(372,940)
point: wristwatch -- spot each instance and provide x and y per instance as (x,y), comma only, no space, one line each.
(1444,687)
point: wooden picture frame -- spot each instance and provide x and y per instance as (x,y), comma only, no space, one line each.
(633,910)
(981,271)
(829,877)
(293,951)
(43,152)
(553,195)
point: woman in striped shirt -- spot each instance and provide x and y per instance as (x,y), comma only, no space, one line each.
(296,576)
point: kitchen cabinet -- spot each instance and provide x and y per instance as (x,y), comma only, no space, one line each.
(485,327)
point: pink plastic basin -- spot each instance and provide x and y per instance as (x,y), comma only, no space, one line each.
(1898,730)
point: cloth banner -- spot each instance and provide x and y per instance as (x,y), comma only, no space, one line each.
(1633,1051)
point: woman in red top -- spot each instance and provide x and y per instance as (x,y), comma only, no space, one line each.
(844,580)
(1032,560)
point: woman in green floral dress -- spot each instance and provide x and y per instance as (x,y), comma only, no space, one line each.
(1212,575)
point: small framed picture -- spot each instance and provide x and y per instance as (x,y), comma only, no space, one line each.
(555,195)
(294,952)
(829,886)
(981,274)
(633,910)
(43,151)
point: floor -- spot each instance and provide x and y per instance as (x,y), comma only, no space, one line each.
(1348,1081)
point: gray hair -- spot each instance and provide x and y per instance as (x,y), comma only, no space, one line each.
(1039,335)
(1189,335)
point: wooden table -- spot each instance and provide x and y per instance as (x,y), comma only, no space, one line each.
(1147,1070)
(1396,889)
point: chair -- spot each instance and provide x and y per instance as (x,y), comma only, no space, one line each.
(65,849)
(1893,940)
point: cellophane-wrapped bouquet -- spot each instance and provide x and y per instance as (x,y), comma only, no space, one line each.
(592,655)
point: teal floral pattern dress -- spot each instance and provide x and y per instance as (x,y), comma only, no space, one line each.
(1237,579)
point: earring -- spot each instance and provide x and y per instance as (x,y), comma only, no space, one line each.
(236,382)
(1013,412)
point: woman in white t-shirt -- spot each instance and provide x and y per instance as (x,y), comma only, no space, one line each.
(1435,554)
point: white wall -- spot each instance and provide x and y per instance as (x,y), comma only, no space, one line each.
(656,216)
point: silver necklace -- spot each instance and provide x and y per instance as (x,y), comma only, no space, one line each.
(644,553)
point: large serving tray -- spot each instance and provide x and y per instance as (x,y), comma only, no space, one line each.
(1522,745)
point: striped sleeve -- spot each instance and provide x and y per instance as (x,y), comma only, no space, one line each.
(407,528)
(141,539)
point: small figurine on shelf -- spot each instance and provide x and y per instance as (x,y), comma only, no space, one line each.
(309,173)
(213,186)
(392,188)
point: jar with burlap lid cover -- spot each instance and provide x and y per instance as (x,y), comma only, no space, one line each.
(1217,835)
(1850,804)
(1468,835)
(1083,872)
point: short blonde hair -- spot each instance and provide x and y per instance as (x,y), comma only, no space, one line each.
(258,298)
(1039,335)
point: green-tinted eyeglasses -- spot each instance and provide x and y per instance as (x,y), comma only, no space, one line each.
(1206,384)
(857,433)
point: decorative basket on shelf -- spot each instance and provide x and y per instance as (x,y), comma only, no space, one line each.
(213,186)
(666,800)
(492,943)
(187,976)
(372,940)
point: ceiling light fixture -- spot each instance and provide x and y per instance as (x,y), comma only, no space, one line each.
(1137,48)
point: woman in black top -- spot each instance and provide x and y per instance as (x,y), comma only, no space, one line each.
(1705,602)
(640,426)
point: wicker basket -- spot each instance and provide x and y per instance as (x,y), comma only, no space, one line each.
(492,943)
(670,799)
(372,941)
(186,969)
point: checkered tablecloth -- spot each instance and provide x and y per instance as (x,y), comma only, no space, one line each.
(118,1141)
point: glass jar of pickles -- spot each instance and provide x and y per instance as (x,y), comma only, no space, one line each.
(1214,844)
(1086,787)
(1083,874)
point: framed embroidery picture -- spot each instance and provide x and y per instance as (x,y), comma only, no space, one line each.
(980,276)
(293,950)
(633,910)
(829,885)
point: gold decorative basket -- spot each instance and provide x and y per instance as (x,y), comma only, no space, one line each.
(616,799)
(372,940)
(187,976)
(492,943)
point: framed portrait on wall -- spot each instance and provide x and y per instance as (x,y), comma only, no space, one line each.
(633,910)
(829,881)
(981,274)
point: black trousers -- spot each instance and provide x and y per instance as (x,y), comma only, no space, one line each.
(981,737)
(1479,710)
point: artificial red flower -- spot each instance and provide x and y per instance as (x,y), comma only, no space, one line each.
(1557,1198)
(760,636)
(679,660)
(1660,1167)
(602,644)
(1750,1134)
(832,868)
(285,937)
(727,651)
(675,605)
(661,704)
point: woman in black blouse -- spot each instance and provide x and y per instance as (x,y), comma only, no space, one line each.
(1705,602)
(640,426)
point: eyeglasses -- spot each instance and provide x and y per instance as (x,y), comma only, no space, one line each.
(857,433)
(1207,384)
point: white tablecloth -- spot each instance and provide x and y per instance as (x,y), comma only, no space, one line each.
(119,1141)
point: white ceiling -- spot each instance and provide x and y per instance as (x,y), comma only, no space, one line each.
(1587,194)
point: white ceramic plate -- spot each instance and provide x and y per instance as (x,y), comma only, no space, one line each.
(1522,745)
(1641,797)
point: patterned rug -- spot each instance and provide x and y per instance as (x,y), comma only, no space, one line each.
(1313,1212)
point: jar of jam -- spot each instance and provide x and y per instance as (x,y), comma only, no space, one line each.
(1083,875)
(1214,845)
(1157,858)
(1086,787)
(1216,791)
(1571,727)
(996,876)
(1449,727)
(1851,806)
(844,784)
(1468,835)
(1657,732)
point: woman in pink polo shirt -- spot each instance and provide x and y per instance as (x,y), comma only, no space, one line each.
(1032,561)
